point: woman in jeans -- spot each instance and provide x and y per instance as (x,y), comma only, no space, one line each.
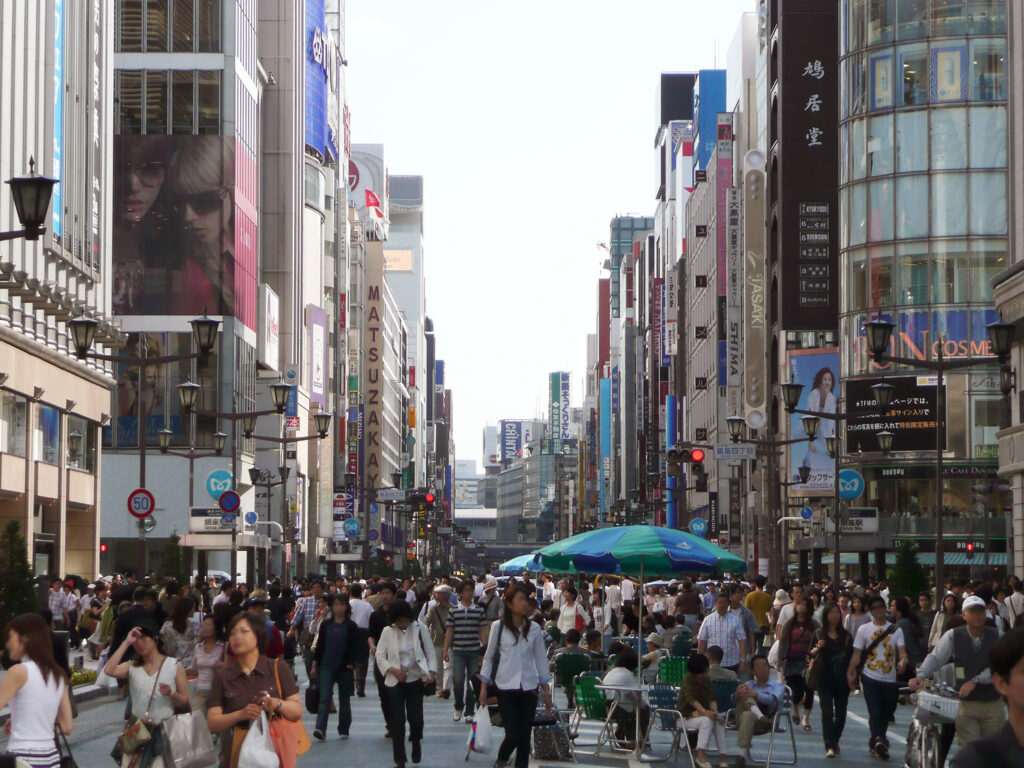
(334,661)
(521,671)
(405,656)
(830,650)
(794,645)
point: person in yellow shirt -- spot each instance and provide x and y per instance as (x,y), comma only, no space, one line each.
(760,603)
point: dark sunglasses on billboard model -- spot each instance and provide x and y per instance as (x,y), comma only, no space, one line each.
(202,203)
(149,174)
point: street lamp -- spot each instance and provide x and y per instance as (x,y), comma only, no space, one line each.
(280,392)
(396,479)
(885,441)
(879,333)
(322,421)
(31,195)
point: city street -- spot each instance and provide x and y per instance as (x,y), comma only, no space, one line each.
(100,721)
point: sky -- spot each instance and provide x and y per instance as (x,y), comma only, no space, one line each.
(533,124)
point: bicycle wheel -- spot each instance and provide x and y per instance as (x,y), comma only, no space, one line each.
(912,757)
(931,747)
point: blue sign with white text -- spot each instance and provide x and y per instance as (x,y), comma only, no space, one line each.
(851,484)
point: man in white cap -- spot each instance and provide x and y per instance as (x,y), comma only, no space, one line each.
(981,707)
(437,622)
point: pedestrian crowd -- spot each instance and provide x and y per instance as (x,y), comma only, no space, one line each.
(228,654)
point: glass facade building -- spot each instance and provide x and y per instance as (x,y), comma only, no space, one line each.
(923,201)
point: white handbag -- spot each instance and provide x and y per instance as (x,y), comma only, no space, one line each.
(188,742)
(257,749)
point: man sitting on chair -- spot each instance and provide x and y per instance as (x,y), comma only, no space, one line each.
(716,671)
(756,704)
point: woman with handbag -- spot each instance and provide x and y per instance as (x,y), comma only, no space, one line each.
(37,690)
(335,657)
(831,647)
(157,688)
(405,656)
(515,666)
(794,644)
(248,685)
(206,656)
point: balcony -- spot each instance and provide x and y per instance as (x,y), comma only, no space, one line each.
(47,481)
(12,474)
(81,488)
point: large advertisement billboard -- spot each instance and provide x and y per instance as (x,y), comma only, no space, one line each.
(511,440)
(317,356)
(817,370)
(911,416)
(322,75)
(184,227)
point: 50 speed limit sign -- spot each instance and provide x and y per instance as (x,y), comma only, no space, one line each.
(141,503)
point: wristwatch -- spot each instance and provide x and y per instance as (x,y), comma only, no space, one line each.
(277,709)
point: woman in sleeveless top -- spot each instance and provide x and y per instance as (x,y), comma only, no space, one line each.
(157,683)
(37,691)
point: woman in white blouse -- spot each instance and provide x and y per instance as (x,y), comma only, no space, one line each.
(516,666)
(404,660)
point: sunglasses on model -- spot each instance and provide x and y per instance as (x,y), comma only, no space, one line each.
(149,174)
(202,203)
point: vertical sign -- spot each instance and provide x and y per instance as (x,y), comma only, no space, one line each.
(754,326)
(671,313)
(723,183)
(565,406)
(317,355)
(605,396)
(808,188)
(554,405)
(58,115)
(373,413)
(656,322)
(734,303)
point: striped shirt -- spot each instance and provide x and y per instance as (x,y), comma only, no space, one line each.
(466,623)
(726,632)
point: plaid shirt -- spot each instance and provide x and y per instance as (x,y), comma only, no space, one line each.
(305,611)
(726,632)
(58,602)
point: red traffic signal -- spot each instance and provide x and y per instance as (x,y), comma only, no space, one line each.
(697,455)
(429,498)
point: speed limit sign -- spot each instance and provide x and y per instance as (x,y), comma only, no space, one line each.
(141,503)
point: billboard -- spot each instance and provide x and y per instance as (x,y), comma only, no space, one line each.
(817,370)
(184,227)
(754,326)
(910,418)
(323,75)
(58,117)
(317,355)
(268,342)
(511,435)
(809,149)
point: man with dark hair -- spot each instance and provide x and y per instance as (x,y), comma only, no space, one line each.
(1004,748)
(760,603)
(715,669)
(361,612)
(378,621)
(756,703)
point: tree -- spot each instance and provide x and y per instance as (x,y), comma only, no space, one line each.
(172,561)
(17,591)
(907,577)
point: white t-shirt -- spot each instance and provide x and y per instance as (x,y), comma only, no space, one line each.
(881,664)
(627,591)
(614,596)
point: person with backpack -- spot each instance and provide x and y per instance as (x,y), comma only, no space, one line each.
(879,655)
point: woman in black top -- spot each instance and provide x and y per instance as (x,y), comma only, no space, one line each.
(335,654)
(831,647)
(913,634)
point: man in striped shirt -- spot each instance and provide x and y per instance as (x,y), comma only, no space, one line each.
(466,633)
(725,630)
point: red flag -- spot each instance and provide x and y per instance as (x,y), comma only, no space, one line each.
(377,211)
(372,201)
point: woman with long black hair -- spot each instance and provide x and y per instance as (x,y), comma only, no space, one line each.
(794,645)
(37,690)
(913,634)
(518,672)
(831,647)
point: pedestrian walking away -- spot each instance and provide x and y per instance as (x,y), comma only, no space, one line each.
(335,655)
(379,621)
(514,670)
(465,635)
(405,657)
(831,647)
(37,691)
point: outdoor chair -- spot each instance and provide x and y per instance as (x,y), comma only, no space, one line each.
(672,670)
(567,667)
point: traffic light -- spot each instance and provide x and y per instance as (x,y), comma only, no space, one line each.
(970,550)
(428,501)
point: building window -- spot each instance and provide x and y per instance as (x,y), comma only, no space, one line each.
(950,271)
(987,412)
(156,101)
(85,457)
(880,146)
(184,25)
(209,102)
(986,17)
(949,214)
(948,18)
(880,261)
(47,438)
(912,271)
(988,70)
(13,424)
(914,66)
(911,145)
(129,26)
(880,211)
(156,26)
(183,101)
(880,18)
(911,19)
(858,214)
(165,93)
(988,257)
(911,207)
(986,123)
(987,197)
(181,26)
(949,139)
(129,101)
(208,25)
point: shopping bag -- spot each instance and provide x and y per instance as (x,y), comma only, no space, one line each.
(290,740)
(257,749)
(481,738)
(188,742)
(103,680)
(773,655)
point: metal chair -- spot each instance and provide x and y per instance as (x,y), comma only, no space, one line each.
(782,720)
(665,718)
(724,691)
(672,670)
(682,643)
(567,667)
(591,704)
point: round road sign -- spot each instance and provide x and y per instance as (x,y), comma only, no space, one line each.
(141,503)
(250,517)
(699,527)
(351,527)
(851,484)
(230,501)
(806,513)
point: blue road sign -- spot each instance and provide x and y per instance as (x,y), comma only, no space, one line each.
(851,484)
(351,527)
(230,501)
(374,508)
(218,481)
(373,535)
(699,527)
(250,518)
(806,513)
(227,518)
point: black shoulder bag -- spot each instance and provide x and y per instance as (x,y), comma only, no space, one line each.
(871,648)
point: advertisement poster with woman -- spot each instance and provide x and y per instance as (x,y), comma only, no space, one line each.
(817,370)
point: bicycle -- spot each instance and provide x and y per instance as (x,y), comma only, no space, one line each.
(937,705)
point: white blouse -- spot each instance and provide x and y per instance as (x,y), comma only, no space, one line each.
(523,665)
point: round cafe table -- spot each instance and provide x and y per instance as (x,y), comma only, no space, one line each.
(635,693)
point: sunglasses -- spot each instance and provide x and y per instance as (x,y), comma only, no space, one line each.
(202,203)
(149,174)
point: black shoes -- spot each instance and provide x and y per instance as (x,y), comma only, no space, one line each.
(318,734)
(880,748)
(416,752)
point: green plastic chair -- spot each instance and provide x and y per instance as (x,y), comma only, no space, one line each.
(672,670)
(591,704)
(724,690)
(567,667)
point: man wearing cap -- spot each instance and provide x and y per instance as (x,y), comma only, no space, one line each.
(981,708)
(256,605)
(437,622)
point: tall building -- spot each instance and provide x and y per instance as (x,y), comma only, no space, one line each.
(922,231)
(185,243)
(1008,290)
(56,72)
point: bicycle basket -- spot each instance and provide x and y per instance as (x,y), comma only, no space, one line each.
(934,708)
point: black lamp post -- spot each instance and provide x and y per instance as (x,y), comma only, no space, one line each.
(31,195)
(83,334)
(166,436)
(879,333)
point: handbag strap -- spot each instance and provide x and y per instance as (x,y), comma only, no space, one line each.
(155,684)
(874,644)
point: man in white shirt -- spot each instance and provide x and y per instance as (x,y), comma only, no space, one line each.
(613,596)
(725,630)
(1015,602)
(628,591)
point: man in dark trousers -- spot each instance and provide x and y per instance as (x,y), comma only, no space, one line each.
(379,620)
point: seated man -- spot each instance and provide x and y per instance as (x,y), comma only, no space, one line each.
(756,703)
(716,671)
(571,648)
(655,649)
(672,630)
(592,642)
